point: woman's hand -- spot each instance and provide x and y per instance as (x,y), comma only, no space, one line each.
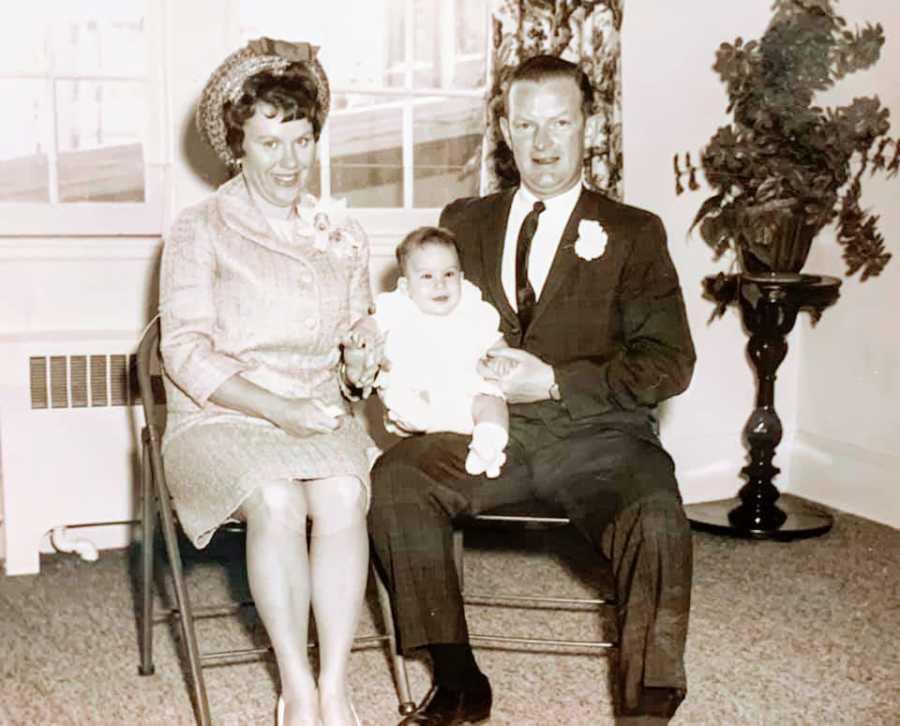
(363,353)
(306,416)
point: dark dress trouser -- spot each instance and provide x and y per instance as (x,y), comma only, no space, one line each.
(620,491)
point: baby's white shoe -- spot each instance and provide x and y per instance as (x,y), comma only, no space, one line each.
(486,450)
(492,471)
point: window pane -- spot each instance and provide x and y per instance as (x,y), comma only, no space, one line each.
(449,43)
(100,38)
(428,70)
(24,174)
(446,157)
(358,39)
(100,128)
(23,43)
(367,151)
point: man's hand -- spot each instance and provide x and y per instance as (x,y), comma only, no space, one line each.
(496,366)
(528,381)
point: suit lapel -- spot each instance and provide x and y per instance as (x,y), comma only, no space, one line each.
(565,260)
(239,212)
(493,236)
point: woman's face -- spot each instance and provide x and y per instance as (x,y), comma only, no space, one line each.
(278,156)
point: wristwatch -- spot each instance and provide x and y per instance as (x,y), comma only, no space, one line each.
(554,392)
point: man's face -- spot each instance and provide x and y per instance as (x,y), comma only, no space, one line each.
(433,278)
(544,127)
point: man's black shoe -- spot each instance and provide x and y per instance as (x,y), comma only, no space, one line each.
(446,707)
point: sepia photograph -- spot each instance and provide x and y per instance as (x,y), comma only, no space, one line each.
(444,362)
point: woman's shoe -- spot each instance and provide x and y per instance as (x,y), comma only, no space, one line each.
(355,715)
(279,712)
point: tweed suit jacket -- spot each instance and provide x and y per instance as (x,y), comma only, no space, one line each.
(237,298)
(614,328)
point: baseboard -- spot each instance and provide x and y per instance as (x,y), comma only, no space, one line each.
(846,476)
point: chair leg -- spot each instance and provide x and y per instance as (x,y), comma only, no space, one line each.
(148,532)
(185,613)
(398,662)
(458,559)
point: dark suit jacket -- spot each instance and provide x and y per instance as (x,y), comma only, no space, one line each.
(614,328)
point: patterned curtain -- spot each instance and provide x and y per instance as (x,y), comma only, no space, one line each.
(584,32)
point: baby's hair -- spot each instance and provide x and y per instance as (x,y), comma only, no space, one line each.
(422,236)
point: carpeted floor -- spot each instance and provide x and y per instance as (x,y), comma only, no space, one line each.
(799,633)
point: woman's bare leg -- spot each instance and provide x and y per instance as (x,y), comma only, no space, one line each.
(278,572)
(339,565)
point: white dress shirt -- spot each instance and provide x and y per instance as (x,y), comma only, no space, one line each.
(551,225)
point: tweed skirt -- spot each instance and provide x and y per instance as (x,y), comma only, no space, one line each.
(211,468)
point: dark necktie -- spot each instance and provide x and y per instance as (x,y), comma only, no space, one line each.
(525,297)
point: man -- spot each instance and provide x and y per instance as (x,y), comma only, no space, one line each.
(591,304)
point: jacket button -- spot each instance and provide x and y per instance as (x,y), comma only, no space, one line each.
(306,278)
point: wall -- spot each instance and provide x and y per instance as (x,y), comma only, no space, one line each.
(848,420)
(673,102)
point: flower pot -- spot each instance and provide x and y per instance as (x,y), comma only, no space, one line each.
(778,244)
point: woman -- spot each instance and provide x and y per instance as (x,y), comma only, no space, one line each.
(255,302)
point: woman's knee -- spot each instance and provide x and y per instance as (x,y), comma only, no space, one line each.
(336,503)
(276,503)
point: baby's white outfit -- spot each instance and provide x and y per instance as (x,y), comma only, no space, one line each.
(432,380)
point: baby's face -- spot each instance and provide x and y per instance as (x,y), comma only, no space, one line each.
(433,278)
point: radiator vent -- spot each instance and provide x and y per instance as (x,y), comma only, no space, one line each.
(79,381)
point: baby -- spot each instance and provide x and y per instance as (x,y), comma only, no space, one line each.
(436,329)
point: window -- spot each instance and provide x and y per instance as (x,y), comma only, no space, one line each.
(408,80)
(78,141)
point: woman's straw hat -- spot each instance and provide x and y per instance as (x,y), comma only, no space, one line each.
(227,82)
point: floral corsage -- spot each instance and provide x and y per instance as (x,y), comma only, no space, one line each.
(329,225)
(591,242)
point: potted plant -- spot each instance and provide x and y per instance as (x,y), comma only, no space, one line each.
(784,168)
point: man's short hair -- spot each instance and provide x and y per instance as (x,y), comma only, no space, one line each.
(422,236)
(546,67)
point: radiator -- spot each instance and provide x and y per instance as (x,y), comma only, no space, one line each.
(69,452)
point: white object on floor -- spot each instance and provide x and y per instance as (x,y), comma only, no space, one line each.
(63,542)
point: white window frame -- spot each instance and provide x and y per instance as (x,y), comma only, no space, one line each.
(392,220)
(104,219)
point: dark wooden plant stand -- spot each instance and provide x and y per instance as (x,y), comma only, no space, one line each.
(769,305)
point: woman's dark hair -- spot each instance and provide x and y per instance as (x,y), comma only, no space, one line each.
(292,92)
(422,236)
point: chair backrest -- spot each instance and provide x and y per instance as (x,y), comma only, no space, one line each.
(150,382)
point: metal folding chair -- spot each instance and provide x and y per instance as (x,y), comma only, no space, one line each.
(529,515)
(156,500)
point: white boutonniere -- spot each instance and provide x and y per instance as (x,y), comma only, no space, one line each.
(591,242)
